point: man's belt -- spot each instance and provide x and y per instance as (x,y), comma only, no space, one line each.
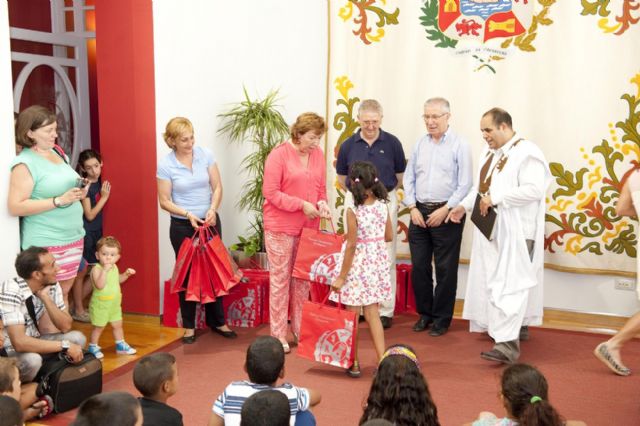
(431,206)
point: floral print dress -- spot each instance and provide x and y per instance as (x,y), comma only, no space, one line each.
(368,281)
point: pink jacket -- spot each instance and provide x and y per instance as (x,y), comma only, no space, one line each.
(287,183)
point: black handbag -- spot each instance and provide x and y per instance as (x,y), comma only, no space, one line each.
(69,384)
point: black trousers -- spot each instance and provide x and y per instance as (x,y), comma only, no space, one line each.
(214,313)
(442,244)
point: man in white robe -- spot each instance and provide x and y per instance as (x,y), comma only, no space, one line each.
(504,289)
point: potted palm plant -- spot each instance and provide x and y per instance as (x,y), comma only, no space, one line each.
(260,124)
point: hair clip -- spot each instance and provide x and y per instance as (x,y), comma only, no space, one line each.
(375,179)
(356,180)
(535,399)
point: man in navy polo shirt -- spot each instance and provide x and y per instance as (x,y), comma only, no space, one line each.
(384,150)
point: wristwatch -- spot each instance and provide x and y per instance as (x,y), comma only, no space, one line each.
(65,345)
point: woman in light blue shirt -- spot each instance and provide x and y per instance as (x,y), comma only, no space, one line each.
(190,189)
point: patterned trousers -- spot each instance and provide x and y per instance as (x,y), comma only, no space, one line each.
(286,294)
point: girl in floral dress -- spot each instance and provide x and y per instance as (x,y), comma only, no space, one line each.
(364,280)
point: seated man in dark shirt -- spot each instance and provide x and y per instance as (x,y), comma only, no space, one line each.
(156,378)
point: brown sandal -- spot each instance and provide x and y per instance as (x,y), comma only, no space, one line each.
(354,370)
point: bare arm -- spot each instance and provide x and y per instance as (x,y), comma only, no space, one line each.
(60,318)
(99,276)
(164,198)
(314,397)
(399,176)
(126,274)
(91,212)
(19,201)
(215,420)
(624,206)
(216,190)
(350,249)
(342,180)
(388,230)
(23,343)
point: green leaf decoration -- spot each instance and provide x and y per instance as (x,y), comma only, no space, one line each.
(567,180)
(429,19)
(595,7)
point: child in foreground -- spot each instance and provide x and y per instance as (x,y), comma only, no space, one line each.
(264,365)
(106,299)
(156,378)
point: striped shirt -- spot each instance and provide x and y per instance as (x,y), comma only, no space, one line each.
(13,307)
(229,403)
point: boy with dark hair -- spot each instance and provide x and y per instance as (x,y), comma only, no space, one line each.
(10,412)
(108,409)
(266,408)
(10,385)
(156,378)
(264,365)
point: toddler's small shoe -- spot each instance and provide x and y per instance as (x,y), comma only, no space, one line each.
(123,348)
(96,351)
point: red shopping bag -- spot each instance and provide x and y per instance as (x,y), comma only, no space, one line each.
(227,272)
(401,289)
(328,334)
(261,277)
(183,262)
(242,307)
(197,276)
(317,255)
(171,316)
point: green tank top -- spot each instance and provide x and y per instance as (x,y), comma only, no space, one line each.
(57,226)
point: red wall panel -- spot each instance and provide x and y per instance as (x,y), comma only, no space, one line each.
(126,106)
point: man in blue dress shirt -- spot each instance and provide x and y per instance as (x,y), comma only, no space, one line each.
(384,150)
(439,174)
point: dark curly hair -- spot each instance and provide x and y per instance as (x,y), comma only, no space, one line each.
(363,176)
(399,393)
(521,383)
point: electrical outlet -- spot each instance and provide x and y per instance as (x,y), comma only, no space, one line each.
(625,284)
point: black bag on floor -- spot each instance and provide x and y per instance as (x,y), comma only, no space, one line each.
(69,384)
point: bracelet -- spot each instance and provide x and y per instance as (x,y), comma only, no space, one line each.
(187,213)
(55,204)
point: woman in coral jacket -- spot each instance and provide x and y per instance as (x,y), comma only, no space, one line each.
(295,193)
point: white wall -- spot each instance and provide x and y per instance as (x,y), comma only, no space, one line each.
(9,230)
(206,51)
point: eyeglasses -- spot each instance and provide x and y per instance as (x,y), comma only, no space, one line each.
(434,116)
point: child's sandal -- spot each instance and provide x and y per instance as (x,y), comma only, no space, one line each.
(354,370)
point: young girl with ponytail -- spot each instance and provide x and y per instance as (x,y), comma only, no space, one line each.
(525,396)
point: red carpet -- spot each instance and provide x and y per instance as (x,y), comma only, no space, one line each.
(461,383)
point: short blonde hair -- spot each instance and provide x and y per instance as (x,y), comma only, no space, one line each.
(32,118)
(176,127)
(308,121)
(109,241)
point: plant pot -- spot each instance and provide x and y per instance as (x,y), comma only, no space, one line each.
(257,261)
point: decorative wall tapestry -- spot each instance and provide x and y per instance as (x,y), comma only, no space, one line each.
(568,72)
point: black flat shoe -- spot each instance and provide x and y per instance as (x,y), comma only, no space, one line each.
(226,334)
(386,322)
(437,331)
(189,340)
(422,324)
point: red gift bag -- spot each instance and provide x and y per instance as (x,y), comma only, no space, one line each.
(183,262)
(243,305)
(317,255)
(401,289)
(328,334)
(411,296)
(228,274)
(261,277)
(171,316)
(197,277)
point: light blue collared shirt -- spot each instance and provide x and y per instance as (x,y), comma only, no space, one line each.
(190,189)
(439,171)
